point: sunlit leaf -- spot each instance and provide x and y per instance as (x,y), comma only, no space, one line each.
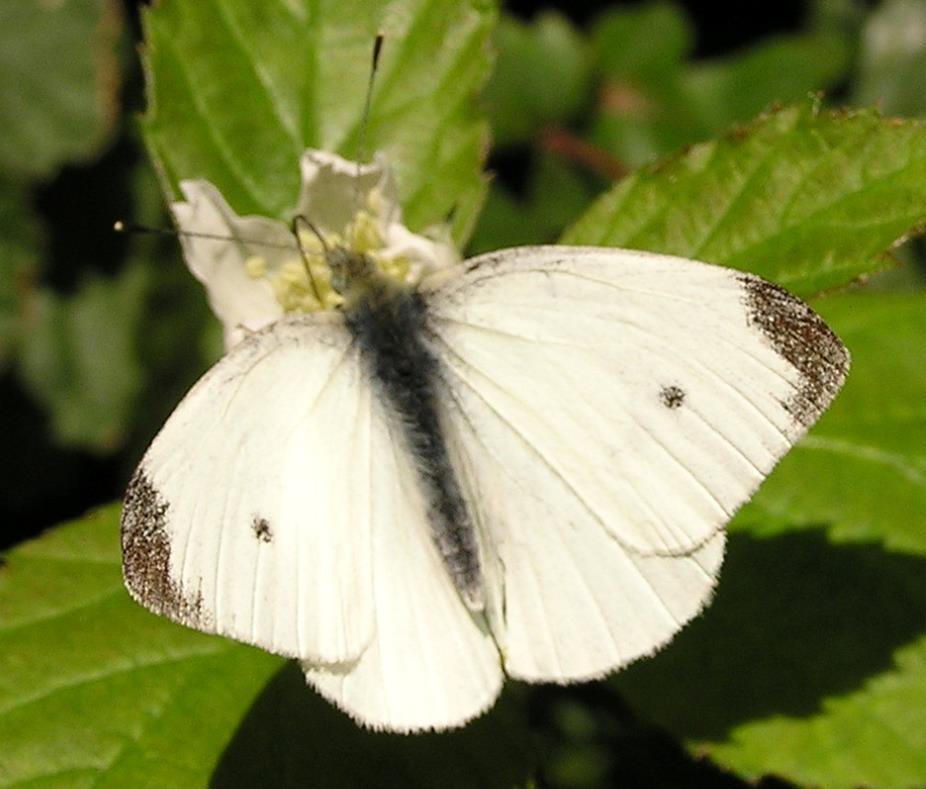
(237,90)
(810,665)
(808,199)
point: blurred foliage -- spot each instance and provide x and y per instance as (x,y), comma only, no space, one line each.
(893,59)
(55,115)
(78,357)
(811,665)
(19,252)
(542,75)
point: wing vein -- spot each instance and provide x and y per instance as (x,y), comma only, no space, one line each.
(301,533)
(537,453)
(643,331)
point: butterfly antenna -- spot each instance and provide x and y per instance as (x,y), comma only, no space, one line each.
(132,229)
(302,251)
(365,117)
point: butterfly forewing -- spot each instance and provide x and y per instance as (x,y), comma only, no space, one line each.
(612,410)
(260,531)
(280,506)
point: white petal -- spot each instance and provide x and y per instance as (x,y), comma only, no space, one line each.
(334,189)
(423,254)
(240,302)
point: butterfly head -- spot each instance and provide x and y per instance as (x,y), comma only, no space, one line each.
(329,269)
(352,273)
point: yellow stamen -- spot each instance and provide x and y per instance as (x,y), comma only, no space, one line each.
(375,201)
(256,266)
(290,281)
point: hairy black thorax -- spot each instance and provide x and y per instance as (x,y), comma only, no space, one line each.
(388,323)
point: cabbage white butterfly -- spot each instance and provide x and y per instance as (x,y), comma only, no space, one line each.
(522,465)
(416,476)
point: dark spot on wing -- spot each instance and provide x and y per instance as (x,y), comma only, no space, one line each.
(802,338)
(146,555)
(261,529)
(672,396)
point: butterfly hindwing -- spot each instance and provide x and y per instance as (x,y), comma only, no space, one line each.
(433,663)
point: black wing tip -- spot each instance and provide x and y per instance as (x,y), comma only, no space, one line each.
(803,339)
(146,553)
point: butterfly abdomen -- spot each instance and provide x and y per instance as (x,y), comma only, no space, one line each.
(388,327)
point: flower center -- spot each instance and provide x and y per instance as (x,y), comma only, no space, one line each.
(302,282)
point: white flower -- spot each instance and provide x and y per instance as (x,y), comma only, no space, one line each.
(252,267)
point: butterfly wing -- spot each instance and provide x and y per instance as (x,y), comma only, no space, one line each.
(433,664)
(279,506)
(249,515)
(609,411)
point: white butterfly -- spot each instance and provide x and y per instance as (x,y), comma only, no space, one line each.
(521,464)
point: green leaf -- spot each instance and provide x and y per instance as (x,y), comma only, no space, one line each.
(19,239)
(79,357)
(542,77)
(59,79)
(96,691)
(237,91)
(808,199)
(811,663)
